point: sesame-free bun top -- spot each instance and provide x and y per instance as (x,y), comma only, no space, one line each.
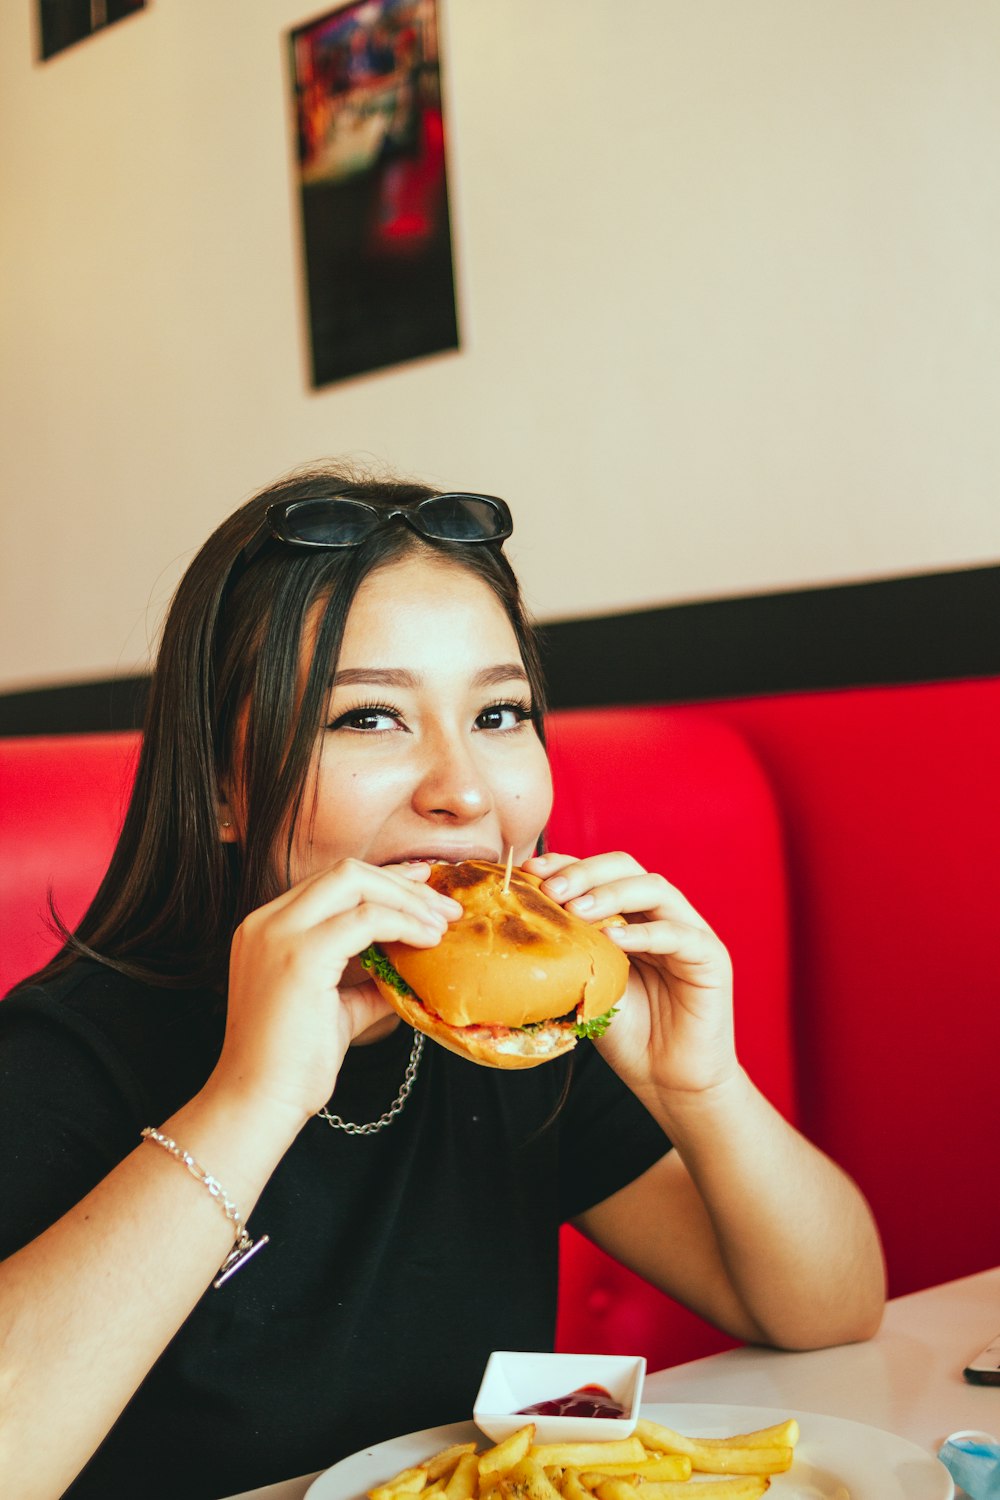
(516,957)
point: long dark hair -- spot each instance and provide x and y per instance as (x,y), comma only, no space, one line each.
(174,893)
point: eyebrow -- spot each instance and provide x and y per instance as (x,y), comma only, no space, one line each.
(399,677)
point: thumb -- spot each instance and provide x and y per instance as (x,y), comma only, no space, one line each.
(364,1005)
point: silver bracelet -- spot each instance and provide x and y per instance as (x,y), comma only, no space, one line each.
(244,1246)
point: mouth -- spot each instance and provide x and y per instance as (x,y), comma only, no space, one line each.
(442,856)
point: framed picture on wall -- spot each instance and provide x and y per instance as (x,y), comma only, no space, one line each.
(376,232)
(61,23)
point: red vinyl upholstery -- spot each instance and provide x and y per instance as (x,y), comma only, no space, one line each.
(683,793)
(62,800)
(891,805)
(846,846)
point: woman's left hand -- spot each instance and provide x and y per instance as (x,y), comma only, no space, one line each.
(674,1031)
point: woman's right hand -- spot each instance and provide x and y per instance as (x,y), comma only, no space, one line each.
(99,1292)
(290,1021)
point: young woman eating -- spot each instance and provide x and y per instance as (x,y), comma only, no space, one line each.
(348,690)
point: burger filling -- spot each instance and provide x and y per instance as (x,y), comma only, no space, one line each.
(376,962)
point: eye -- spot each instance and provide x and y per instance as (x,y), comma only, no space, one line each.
(368,718)
(503,716)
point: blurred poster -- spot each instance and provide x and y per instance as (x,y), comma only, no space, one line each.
(371,171)
(63,22)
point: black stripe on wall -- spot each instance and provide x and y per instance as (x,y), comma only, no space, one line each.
(77,708)
(922,629)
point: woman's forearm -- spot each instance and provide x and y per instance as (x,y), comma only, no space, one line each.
(796,1238)
(88,1306)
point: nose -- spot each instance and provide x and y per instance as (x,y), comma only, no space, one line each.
(453,787)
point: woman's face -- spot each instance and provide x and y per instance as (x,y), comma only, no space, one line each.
(429,751)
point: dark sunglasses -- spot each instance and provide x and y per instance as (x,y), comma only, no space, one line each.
(340,520)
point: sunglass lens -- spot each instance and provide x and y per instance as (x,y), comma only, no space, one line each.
(332,522)
(462,518)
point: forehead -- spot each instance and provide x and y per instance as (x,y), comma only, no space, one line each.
(425,603)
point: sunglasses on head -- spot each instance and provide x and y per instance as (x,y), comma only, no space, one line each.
(340,520)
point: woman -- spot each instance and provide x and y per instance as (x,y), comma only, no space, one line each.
(324,721)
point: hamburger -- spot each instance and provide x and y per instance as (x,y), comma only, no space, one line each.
(515,982)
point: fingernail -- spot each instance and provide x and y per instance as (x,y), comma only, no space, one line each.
(556,886)
(582,903)
(619,934)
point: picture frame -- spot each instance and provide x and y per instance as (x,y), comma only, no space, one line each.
(63,23)
(372,186)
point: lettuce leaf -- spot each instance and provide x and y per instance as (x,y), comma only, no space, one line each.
(597,1027)
(375,961)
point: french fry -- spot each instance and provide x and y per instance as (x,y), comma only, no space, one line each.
(663,1466)
(745,1487)
(464,1481)
(616,1489)
(527,1480)
(442,1465)
(781,1435)
(661,1439)
(666,1440)
(712,1456)
(506,1454)
(589,1455)
(739,1461)
(572,1488)
(406,1482)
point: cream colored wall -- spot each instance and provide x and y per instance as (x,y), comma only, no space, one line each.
(730,291)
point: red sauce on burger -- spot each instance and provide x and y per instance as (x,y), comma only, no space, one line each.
(586,1401)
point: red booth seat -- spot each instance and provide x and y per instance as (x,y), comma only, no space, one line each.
(62,801)
(891,808)
(844,845)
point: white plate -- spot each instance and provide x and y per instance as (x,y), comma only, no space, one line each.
(835,1459)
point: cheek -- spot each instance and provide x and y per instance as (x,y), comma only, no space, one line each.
(323,823)
(343,809)
(530,794)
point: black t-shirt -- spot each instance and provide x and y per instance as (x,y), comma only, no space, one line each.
(396,1261)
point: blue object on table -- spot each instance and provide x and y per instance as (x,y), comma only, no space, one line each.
(973,1461)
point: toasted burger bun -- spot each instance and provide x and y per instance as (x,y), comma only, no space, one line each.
(515,959)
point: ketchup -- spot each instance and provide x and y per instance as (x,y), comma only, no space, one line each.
(586,1401)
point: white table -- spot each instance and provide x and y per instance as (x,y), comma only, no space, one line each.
(907,1380)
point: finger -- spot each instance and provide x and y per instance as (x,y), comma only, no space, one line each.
(548,864)
(329,946)
(605,885)
(574,877)
(364,1004)
(352,881)
(412,873)
(411,869)
(644,894)
(696,948)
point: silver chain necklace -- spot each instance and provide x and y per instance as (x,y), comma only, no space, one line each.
(416,1052)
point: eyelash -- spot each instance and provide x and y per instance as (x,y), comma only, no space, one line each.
(364,710)
(518,707)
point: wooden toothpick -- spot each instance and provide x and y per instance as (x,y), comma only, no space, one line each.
(510,862)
